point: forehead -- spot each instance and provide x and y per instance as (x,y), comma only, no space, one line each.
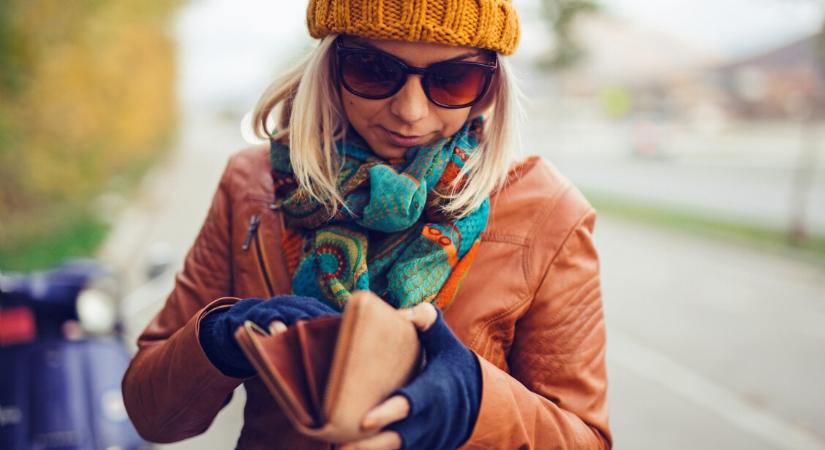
(418,54)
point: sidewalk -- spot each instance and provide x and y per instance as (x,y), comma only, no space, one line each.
(710,345)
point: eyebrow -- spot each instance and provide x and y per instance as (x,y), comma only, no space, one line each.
(362,43)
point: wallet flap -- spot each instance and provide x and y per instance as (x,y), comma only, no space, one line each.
(377,352)
(279,364)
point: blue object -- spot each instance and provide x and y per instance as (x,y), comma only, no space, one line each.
(217,328)
(50,294)
(445,397)
(58,394)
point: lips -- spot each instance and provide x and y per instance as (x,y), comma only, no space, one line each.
(402,140)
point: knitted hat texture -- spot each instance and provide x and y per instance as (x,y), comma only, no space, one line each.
(490,24)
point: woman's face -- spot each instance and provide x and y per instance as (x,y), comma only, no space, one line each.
(407,119)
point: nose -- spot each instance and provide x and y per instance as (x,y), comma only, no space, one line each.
(410,104)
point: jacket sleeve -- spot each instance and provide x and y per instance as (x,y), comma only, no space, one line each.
(170,389)
(555,395)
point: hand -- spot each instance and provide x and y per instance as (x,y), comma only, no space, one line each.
(217,329)
(438,409)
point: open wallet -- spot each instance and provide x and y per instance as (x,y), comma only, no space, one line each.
(327,373)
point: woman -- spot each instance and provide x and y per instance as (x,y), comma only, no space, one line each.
(381,148)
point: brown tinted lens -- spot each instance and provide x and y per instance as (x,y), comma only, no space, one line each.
(370,74)
(456,84)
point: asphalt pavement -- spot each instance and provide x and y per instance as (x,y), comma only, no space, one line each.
(711,345)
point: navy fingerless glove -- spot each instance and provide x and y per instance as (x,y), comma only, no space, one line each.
(445,397)
(217,328)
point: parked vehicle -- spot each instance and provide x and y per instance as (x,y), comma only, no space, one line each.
(62,360)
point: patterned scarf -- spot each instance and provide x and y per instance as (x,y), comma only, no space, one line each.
(392,237)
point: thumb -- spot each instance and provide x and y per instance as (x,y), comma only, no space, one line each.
(422,315)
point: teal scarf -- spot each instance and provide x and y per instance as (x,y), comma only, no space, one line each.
(392,236)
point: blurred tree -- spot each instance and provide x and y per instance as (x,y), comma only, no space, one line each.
(86,97)
(561,16)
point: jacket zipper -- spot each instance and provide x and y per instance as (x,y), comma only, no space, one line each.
(254,222)
(253,235)
(262,265)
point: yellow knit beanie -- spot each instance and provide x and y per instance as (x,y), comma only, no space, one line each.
(490,24)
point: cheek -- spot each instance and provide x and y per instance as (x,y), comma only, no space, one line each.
(452,119)
(360,112)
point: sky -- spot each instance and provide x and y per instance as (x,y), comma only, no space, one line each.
(732,27)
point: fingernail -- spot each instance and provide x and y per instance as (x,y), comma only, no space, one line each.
(276,327)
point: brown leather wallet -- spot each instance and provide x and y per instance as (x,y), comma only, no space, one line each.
(327,373)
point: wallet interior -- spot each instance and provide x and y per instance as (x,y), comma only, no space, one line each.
(298,360)
(316,344)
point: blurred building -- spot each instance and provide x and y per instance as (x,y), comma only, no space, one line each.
(618,52)
(785,82)
(662,76)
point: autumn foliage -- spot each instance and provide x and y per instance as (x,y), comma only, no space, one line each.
(86,99)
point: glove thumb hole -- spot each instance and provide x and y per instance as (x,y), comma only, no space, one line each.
(418,394)
(409,430)
(438,337)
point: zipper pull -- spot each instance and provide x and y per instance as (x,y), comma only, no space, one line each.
(254,221)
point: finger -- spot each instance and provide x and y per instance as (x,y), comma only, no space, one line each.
(387,440)
(422,315)
(391,410)
(276,326)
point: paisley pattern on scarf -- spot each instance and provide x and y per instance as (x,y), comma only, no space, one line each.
(392,236)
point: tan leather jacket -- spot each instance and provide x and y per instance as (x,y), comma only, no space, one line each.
(530,308)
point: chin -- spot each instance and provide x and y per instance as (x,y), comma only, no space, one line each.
(389,152)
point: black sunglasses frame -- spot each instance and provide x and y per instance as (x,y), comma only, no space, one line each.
(342,52)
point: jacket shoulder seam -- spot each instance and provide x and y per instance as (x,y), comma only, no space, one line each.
(549,207)
(504,238)
(579,221)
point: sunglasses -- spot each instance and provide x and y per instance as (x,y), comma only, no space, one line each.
(373,74)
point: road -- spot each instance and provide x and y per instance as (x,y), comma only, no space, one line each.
(711,345)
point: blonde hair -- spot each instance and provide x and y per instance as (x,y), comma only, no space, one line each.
(310,87)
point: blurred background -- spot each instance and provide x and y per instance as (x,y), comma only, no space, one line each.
(696,128)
